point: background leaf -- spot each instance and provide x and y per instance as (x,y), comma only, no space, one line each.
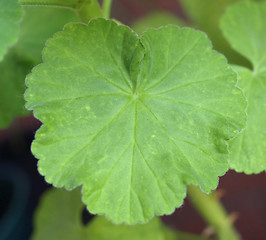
(102,229)
(66,3)
(59,217)
(156,20)
(244,26)
(205,15)
(13,70)
(10,16)
(134,129)
(38,24)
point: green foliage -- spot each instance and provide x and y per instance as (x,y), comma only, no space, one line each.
(59,217)
(244,27)
(133,119)
(10,15)
(156,20)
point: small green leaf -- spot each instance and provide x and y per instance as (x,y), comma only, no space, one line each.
(244,26)
(133,119)
(59,217)
(155,20)
(13,71)
(10,16)
(101,229)
(205,15)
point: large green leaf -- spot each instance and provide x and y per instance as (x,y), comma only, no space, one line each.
(59,217)
(10,15)
(205,15)
(244,26)
(13,70)
(133,119)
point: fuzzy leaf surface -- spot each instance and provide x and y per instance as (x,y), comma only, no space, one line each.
(59,217)
(133,119)
(244,26)
(10,15)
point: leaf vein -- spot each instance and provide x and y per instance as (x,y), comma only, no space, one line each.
(96,135)
(175,65)
(186,84)
(154,175)
(111,169)
(133,153)
(82,64)
(201,108)
(127,82)
(76,98)
(171,139)
(140,203)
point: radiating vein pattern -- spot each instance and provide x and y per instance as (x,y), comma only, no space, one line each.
(133,119)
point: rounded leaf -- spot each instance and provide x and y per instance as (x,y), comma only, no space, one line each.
(133,119)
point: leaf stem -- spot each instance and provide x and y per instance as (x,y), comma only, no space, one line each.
(88,9)
(213,213)
(106,8)
(189,236)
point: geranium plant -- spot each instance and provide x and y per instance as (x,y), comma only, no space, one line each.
(134,121)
